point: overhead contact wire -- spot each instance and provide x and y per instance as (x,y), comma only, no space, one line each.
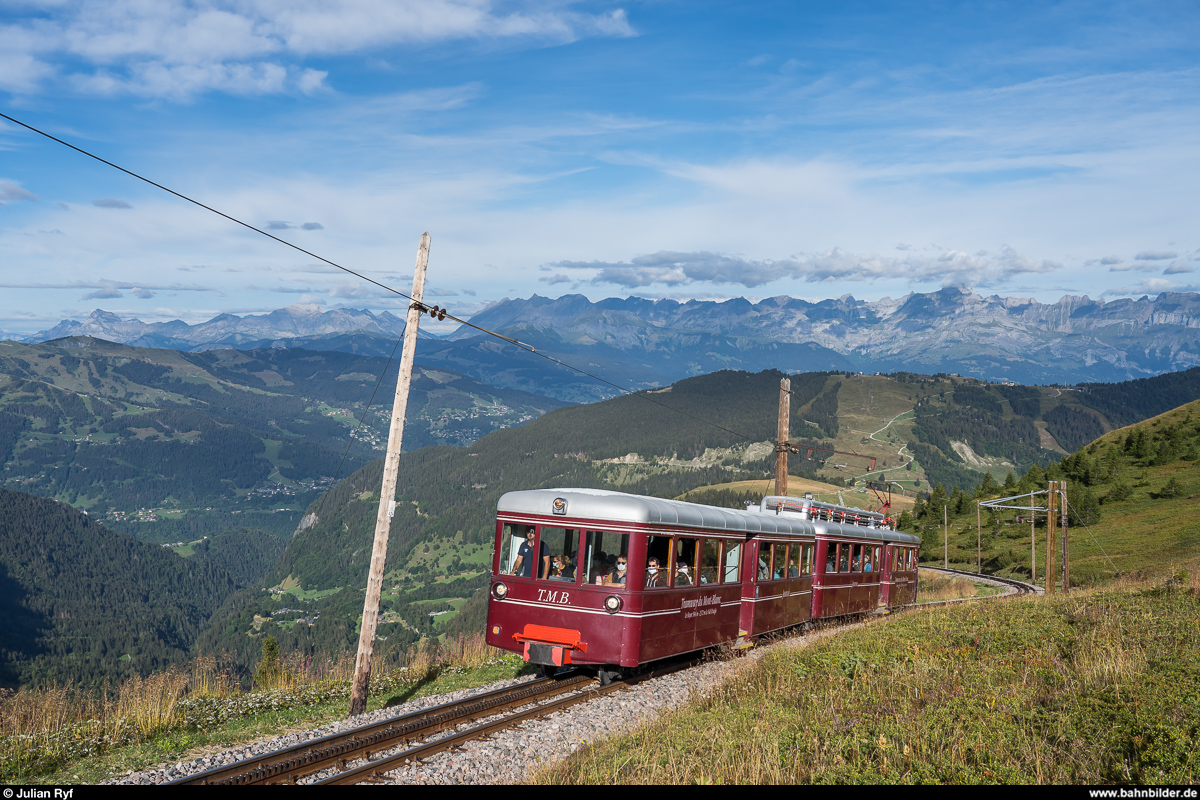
(349,271)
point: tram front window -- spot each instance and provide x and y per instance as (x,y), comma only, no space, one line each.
(605,558)
(562,544)
(519,552)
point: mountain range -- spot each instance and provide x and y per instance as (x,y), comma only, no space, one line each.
(640,343)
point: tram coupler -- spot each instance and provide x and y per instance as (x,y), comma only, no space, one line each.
(551,647)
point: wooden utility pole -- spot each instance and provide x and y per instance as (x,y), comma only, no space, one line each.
(978,541)
(1066,548)
(1032,543)
(781,443)
(1051,519)
(387,493)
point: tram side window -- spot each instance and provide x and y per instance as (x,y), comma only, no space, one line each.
(808,559)
(733,562)
(778,561)
(687,550)
(710,561)
(520,552)
(658,562)
(831,557)
(868,563)
(843,558)
(563,546)
(605,559)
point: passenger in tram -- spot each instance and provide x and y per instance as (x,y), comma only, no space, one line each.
(867,561)
(793,570)
(655,578)
(523,566)
(617,576)
(682,576)
(564,570)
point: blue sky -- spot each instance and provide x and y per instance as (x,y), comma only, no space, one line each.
(664,149)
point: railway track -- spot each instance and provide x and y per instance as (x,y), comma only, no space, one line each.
(365,754)
(1018,587)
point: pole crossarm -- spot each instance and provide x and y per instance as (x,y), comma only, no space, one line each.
(1001,502)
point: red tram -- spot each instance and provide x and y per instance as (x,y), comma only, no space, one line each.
(612,580)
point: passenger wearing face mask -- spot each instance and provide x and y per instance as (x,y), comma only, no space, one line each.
(617,576)
(655,578)
(682,576)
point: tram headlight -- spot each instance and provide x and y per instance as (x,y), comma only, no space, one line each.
(612,604)
(499,591)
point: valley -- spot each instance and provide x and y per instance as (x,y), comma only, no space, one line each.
(229,458)
(168,445)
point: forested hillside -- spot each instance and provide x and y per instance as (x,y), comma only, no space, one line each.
(82,603)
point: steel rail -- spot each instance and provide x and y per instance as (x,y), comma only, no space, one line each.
(375,771)
(1021,587)
(290,764)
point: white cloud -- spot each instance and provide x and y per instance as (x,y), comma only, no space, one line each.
(176,49)
(1150,286)
(361,291)
(102,294)
(182,81)
(947,268)
(1178,268)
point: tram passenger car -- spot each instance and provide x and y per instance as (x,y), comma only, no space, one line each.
(695,576)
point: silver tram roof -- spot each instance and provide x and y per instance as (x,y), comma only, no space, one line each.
(793,517)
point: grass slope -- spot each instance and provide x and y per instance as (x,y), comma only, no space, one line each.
(1100,687)
(1133,507)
